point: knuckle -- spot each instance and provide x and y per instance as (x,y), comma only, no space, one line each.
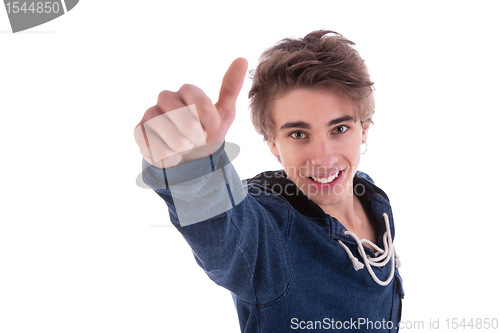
(150,113)
(166,98)
(165,94)
(186,88)
(153,111)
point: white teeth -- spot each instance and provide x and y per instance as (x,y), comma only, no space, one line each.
(326,180)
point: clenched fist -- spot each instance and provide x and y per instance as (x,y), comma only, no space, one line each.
(186,125)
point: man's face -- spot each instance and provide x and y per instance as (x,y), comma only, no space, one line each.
(318,143)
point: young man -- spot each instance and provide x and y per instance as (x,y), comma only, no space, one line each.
(308,247)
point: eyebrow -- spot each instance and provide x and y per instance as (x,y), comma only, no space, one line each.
(304,125)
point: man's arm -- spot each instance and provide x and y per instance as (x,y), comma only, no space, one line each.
(234,238)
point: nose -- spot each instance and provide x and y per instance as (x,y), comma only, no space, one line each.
(323,154)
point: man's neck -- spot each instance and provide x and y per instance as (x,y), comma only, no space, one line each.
(342,210)
(351,214)
(348,211)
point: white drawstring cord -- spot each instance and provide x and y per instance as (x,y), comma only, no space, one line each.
(355,262)
(382,256)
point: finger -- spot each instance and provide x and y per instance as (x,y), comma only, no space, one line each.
(159,152)
(206,110)
(231,85)
(186,121)
(187,124)
(144,142)
(162,128)
(194,112)
(141,140)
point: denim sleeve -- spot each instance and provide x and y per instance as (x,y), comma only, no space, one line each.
(236,239)
(199,189)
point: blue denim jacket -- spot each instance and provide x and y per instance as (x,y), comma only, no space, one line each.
(277,252)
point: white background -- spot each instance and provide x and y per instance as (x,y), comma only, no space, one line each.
(83,249)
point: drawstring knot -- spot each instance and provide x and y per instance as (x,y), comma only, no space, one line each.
(382,256)
(357,265)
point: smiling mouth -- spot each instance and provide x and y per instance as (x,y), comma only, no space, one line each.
(326,180)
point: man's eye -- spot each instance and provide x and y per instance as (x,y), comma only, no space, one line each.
(340,129)
(298,135)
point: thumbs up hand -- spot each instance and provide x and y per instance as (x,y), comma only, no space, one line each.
(186,125)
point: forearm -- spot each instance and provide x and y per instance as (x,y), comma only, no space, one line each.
(229,231)
(197,190)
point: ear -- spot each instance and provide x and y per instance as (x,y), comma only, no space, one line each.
(274,148)
(364,134)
